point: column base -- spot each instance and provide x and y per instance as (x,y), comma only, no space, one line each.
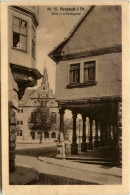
(96,144)
(106,142)
(90,146)
(60,151)
(83,147)
(101,143)
(74,148)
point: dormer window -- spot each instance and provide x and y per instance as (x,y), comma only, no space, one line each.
(19,34)
(74,73)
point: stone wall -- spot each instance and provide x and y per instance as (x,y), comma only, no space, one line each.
(13,105)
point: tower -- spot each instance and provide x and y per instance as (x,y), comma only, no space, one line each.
(45,82)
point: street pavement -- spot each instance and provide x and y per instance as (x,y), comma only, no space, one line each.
(34,145)
(91,173)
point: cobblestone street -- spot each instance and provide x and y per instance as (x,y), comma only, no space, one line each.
(89,174)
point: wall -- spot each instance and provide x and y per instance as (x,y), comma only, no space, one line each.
(100,29)
(13,105)
(24,117)
(108,75)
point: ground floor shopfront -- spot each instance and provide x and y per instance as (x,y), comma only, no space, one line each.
(106,113)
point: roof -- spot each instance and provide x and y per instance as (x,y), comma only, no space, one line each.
(57,50)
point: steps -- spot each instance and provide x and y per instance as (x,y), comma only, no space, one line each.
(98,156)
(97,161)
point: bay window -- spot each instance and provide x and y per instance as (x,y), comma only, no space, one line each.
(19,34)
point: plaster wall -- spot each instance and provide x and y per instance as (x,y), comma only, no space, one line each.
(100,29)
(24,117)
(108,77)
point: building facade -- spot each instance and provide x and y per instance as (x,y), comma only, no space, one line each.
(23,22)
(32,99)
(89,78)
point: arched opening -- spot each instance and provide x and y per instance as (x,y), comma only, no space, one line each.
(46,135)
(53,135)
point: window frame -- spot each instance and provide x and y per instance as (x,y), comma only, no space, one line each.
(20,34)
(82,82)
(87,62)
(21,122)
(74,69)
(33,43)
(20,132)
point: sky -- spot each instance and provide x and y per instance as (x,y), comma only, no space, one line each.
(51,31)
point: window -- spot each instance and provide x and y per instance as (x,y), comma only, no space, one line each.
(74,73)
(19,133)
(89,71)
(46,135)
(21,122)
(17,122)
(33,43)
(19,34)
(18,110)
(21,110)
(53,135)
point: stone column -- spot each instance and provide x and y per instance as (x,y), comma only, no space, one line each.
(102,133)
(96,143)
(61,144)
(84,144)
(90,144)
(109,134)
(74,145)
(106,135)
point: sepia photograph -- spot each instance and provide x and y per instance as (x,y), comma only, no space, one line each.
(64,95)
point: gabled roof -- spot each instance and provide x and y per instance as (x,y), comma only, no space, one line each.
(57,50)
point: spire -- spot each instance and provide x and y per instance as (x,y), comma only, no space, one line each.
(45,75)
(45,70)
